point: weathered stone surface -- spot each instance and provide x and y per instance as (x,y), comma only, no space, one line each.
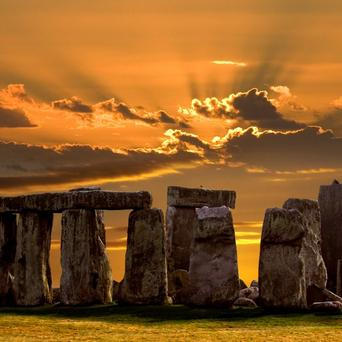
(115,291)
(196,198)
(32,275)
(316,273)
(213,272)
(145,280)
(330,202)
(180,224)
(245,303)
(328,307)
(339,278)
(56,295)
(58,202)
(282,226)
(178,286)
(282,282)
(8,237)
(86,273)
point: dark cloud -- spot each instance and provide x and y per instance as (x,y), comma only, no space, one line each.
(127,113)
(249,108)
(165,118)
(13,118)
(255,107)
(139,114)
(332,120)
(308,148)
(83,163)
(73,104)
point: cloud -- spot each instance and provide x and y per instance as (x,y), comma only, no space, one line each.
(122,111)
(41,166)
(14,118)
(74,104)
(308,151)
(332,120)
(337,103)
(239,64)
(286,99)
(310,148)
(253,107)
(16,91)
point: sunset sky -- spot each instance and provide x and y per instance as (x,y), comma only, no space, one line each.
(141,94)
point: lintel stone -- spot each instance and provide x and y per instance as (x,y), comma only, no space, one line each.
(196,198)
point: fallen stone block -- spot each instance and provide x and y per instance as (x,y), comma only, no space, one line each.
(245,303)
(213,272)
(330,307)
(145,280)
(196,198)
(250,293)
(86,273)
(178,286)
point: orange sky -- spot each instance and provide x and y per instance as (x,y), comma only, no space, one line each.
(142,94)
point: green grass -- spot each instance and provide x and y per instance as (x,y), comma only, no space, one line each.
(166,323)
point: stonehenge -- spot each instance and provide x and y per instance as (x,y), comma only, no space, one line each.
(145,279)
(213,271)
(32,274)
(25,238)
(190,259)
(291,249)
(86,273)
(181,219)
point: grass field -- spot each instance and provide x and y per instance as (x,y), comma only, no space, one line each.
(167,323)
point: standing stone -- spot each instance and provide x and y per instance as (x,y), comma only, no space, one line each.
(32,275)
(330,202)
(282,278)
(86,273)
(180,224)
(339,278)
(8,232)
(213,273)
(145,269)
(181,219)
(315,270)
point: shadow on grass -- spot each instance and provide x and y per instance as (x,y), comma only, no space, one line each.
(138,313)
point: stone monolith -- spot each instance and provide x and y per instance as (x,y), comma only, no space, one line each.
(86,273)
(315,270)
(330,202)
(213,271)
(8,238)
(32,275)
(282,278)
(145,267)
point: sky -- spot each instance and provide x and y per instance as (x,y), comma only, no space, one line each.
(138,95)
